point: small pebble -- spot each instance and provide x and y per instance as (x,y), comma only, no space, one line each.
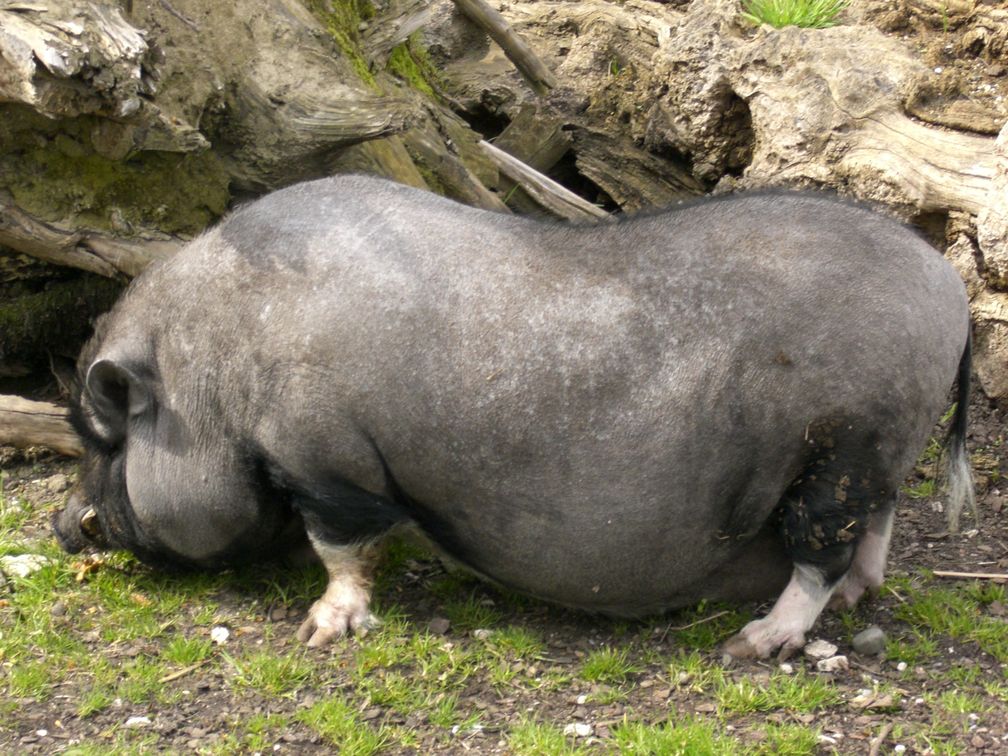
(901,667)
(482,633)
(870,641)
(820,649)
(786,668)
(578,729)
(138,722)
(220,635)
(438,626)
(899,748)
(833,664)
(58,609)
(58,483)
(581,700)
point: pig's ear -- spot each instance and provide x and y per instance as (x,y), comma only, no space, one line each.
(116,393)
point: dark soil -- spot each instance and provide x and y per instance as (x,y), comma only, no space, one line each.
(213,706)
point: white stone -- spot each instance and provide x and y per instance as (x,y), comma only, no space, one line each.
(220,635)
(786,668)
(23,565)
(833,664)
(578,729)
(581,700)
(901,667)
(138,722)
(820,649)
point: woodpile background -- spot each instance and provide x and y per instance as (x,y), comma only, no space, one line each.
(127,127)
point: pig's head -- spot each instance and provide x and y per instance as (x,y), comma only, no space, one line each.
(164,475)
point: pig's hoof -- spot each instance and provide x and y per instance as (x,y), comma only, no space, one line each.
(850,590)
(760,638)
(327,621)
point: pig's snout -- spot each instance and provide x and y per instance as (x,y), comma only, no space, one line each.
(77,527)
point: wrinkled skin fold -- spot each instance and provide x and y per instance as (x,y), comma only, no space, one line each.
(717,402)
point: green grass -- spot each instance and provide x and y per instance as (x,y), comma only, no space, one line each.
(608,665)
(799,692)
(338,722)
(516,642)
(531,738)
(926,489)
(471,613)
(125,630)
(959,613)
(683,737)
(789,740)
(693,674)
(706,626)
(813,14)
(914,648)
(276,675)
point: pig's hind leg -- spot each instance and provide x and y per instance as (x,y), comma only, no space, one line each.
(824,518)
(867,571)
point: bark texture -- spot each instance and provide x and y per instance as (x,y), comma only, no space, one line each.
(126,128)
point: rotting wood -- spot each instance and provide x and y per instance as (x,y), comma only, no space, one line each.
(942,168)
(85,250)
(388,30)
(47,48)
(536,73)
(553,196)
(535,137)
(538,139)
(636,180)
(27,423)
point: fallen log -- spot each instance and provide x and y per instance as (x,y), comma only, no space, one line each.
(27,423)
(85,250)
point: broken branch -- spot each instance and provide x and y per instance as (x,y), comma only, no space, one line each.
(544,190)
(538,75)
(995,576)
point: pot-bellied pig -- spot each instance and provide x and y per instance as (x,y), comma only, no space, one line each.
(718,401)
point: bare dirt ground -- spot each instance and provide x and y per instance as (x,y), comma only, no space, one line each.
(214,706)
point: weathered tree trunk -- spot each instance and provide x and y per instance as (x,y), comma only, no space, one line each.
(125,128)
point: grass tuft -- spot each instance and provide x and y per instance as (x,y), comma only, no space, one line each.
(798,692)
(811,14)
(338,722)
(531,738)
(684,737)
(608,665)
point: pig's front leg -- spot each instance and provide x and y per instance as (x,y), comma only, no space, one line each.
(344,607)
